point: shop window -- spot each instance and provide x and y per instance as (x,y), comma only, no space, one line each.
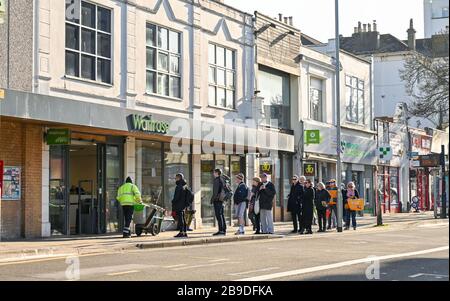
(275,90)
(88,41)
(221,74)
(149,171)
(163,68)
(354,99)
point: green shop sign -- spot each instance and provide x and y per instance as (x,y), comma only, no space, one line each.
(58,137)
(312,136)
(148,124)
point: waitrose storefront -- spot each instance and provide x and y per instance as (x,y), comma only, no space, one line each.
(73,155)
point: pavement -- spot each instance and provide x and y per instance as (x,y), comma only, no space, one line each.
(414,248)
(54,247)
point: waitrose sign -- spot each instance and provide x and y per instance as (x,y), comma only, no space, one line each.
(147,124)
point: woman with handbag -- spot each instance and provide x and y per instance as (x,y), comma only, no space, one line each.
(253,207)
(349,193)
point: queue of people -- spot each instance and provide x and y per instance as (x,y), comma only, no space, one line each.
(304,202)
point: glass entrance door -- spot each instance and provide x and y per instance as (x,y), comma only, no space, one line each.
(112,212)
(58,190)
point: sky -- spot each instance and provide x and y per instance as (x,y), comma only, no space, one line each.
(316,17)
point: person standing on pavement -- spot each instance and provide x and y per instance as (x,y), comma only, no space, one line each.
(266,195)
(332,218)
(302,181)
(255,216)
(307,207)
(293,205)
(350,193)
(240,202)
(217,200)
(179,204)
(322,199)
(128,195)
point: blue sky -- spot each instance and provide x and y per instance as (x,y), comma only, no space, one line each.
(316,17)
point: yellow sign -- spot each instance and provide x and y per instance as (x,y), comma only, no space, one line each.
(2,94)
(265,167)
(309,169)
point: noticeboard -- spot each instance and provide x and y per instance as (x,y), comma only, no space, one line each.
(11,188)
(432,160)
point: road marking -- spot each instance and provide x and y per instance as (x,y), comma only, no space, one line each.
(341,264)
(439,225)
(175,266)
(201,266)
(254,271)
(423,274)
(123,273)
(218,260)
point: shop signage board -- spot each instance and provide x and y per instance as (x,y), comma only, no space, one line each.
(265,167)
(11,188)
(58,137)
(147,124)
(432,160)
(309,169)
(385,152)
(312,136)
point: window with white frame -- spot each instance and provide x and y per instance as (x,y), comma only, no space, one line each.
(163,72)
(88,41)
(354,99)
(222,74)
(316,99)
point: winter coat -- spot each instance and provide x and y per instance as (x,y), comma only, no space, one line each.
(240,194)
(294,198)
(217,189)
(322,196)
(266,196)
(307,203)
(179,198)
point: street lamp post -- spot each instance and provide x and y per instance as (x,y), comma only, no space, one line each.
(338,120)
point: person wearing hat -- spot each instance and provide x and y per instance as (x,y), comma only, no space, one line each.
(240,202)
(333,190)
(128,195)
(267,193)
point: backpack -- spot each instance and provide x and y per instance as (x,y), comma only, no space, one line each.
(226,193)
(189,197)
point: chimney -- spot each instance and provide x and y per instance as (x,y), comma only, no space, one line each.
(285,20)
(359,27)
(280,17)
(364,27)
(375,25)
(369,27)
(291,21)
(411,36)
(355,30)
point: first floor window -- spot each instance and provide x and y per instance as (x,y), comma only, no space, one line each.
(315,99)
(163,61)
(354,99)
(88,41)
(221,76)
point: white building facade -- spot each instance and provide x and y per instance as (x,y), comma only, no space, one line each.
(435,15)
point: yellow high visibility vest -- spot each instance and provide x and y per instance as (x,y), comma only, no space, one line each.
(128,194)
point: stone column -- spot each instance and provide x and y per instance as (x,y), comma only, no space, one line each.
(45,224)
(196,188)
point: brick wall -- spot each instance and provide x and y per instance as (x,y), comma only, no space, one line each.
(21,145)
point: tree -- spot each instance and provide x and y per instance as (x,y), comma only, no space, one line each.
(426,76)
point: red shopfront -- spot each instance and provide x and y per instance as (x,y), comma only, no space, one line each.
(420,184)
(388,192)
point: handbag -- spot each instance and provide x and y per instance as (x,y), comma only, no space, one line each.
(356,204)
(256,206)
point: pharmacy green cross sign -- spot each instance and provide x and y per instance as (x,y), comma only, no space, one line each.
(385,152)
(312,136)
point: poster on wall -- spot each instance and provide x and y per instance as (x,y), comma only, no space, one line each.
(11,183)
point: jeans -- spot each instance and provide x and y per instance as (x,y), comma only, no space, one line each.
(182,221)
(351,214)
(296,220)
(128,216)
(239,209)
(266,221)
(322,217)
(332,219)
(219,211)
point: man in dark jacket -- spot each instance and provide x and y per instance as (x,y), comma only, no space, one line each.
(216,200)
(293,205)
(266,195)
(307,207)
(321,202)
(179,204)
(240,202)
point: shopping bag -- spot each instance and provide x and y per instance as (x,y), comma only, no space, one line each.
(356,204)
(256,208)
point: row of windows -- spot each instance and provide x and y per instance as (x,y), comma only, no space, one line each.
(89,52)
